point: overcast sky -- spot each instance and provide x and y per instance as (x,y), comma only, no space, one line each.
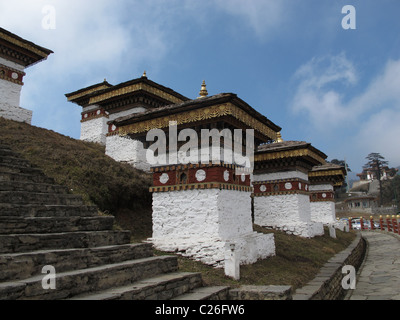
(293,61)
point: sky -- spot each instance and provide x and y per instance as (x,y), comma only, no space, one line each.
(296,62)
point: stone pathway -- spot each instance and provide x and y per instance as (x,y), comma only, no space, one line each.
(379,276)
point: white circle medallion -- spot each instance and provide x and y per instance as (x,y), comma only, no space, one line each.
(263,188)
(164,178)
(288,186)
(14,75)
(324,195)
(201,175)
(226,175)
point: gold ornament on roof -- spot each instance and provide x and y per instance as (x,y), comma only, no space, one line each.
(203,91)
(278,138)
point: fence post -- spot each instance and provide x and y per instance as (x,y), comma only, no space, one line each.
(371,221)
(350,226)
(381,223)
(398,226)
(361,223)
(394,224)
(388,223)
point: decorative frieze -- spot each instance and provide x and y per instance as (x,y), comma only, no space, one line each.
(280,187)
(94,114)
(199,176)
(322,196)
(207,113)
(11,75)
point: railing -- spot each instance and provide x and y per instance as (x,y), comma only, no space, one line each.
(389,223)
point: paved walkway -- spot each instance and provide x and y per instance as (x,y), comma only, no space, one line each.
(379,276)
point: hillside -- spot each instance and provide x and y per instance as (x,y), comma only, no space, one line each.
(83,167)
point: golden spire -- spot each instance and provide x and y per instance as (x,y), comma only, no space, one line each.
(278,138)
(203,91)
(144,74)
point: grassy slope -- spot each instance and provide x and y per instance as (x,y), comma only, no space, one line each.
(123,191)
(116,188)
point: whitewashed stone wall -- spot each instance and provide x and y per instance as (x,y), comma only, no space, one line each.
(199,223)
(15,113)
(94,130)
(323,211)
(277,209)
(124,149)
(288,212)
(10,95)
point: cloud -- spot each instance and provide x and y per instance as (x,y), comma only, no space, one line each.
(263,16)
(317,94)
(325,91)
(326,95)
(380,134)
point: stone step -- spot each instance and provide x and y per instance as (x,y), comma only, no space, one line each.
(72,283)
(38,177)
(35,210)
(32,187)
(16,266)
(6,151)
(164,287)
(20,225)
(8,198)
(206,293)
(12,160)
(15,168)
(12,243)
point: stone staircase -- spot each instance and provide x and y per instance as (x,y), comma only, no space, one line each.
(42,224)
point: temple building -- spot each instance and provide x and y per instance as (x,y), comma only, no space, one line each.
(282,187)
(16,54)
(323,181)
(202,195)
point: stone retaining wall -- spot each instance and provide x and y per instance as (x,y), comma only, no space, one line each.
(327,285)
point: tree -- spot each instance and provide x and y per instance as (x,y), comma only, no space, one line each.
(341,163)
(375,164)
(391,191)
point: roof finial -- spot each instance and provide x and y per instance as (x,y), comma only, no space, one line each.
(278,138)
(203,91)
(144,74)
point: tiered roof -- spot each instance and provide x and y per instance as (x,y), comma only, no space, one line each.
(21,51)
